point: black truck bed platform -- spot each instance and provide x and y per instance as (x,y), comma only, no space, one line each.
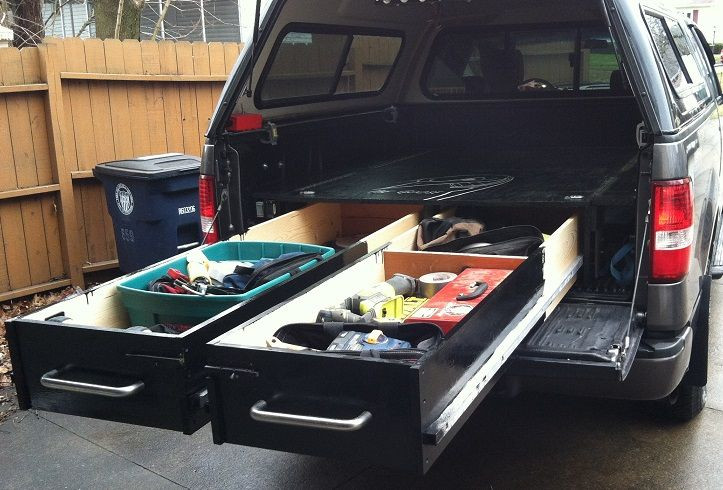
(571,177)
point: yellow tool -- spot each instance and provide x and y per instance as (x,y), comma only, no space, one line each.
(381,302)
(411,305)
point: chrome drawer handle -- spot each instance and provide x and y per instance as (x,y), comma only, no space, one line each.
(49,380)
(259,413)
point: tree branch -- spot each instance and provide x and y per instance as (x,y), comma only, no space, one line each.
(118,19)
(161,19)
(85,25)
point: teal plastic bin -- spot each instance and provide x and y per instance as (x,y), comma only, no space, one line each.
(147,308)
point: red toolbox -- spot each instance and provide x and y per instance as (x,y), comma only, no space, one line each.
(449,306)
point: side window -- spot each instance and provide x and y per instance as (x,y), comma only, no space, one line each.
(321,66)
(305,65)
(707,57)
(668,56)
(681,65)
(686,51)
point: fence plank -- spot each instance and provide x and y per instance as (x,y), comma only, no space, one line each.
(171,98)
(4,277)
(137,98)
(16,254)
(31,207)
(82,109)
(80,227)
(204,96)
(64,106)
(119,107)
(41,145)
(38,123)
(231,54)
(37,248)
(111,251)
(217,66)
(100,101)
(93,213)
(155,110)
(52,236)
(7,163)
(11,70)
(56,121)
(189,108)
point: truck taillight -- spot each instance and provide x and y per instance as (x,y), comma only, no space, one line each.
(207,204)
(673,228)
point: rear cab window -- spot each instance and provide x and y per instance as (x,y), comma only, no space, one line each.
(524,62)
(681,64)
(317,63)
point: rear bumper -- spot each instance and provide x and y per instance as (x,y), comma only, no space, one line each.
(658,369)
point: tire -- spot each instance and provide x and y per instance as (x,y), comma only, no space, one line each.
(686,402)
(688,399)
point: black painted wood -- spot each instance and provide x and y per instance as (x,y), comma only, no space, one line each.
(171,367)
(403,398)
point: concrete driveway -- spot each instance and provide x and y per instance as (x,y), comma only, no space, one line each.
(534,441)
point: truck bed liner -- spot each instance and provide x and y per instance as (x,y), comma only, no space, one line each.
(570,177)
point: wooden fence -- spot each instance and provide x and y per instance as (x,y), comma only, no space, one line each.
(69,105)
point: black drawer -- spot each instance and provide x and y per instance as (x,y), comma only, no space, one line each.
(382,412)
(95,368)
(137,378)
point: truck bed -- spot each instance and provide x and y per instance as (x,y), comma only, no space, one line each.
(568,177)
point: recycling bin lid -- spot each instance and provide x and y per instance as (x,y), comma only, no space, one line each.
(150,167)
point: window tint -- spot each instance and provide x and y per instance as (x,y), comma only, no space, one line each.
(457,68)
(522,62)
(369,64)
(681,63)
(544,56)
(686,51)
(322,65)
(668,56)
(599,65)
(304,65)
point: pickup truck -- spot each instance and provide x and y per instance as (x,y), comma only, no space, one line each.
(597,121)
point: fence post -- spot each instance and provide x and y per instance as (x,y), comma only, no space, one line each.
(67,215)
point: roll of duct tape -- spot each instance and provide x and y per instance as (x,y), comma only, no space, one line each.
(431,284)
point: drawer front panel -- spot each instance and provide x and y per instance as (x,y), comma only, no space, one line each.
(323,387)
(54,365)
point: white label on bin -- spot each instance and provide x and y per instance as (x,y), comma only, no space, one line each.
(124,199)
(186,210)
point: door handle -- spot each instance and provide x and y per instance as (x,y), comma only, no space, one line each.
(52,380)
(259,413)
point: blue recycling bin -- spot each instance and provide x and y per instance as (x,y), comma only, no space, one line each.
(153,202)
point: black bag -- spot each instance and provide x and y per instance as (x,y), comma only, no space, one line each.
(319,336)
(254,277)
(437,231)
(512,240)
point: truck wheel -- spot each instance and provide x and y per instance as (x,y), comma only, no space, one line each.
(686,402)
(688,399)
